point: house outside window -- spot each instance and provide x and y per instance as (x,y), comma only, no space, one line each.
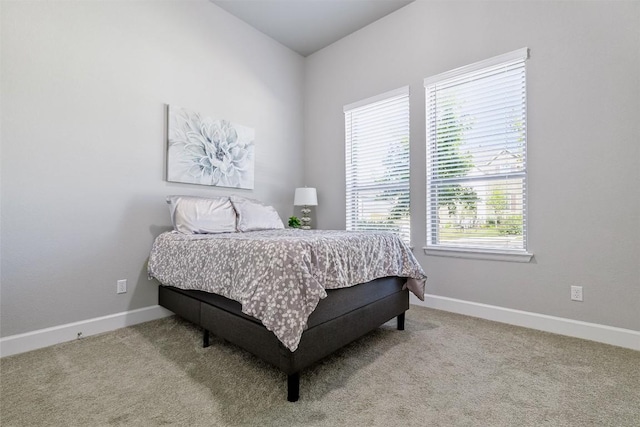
(476,128)
(377,163)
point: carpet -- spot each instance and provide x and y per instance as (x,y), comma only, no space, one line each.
(443,370)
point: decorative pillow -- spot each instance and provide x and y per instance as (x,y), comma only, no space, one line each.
(254,215)
(200,215)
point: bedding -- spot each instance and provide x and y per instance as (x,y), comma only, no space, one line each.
(255,216)
(196,215)
(279,276)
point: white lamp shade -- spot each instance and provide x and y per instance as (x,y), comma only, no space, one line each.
(305,197)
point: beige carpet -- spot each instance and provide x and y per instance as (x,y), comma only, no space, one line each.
(443,370)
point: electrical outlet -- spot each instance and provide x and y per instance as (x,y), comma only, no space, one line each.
(121,287)
(576,293)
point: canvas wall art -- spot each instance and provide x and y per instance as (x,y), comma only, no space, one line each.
(208,151)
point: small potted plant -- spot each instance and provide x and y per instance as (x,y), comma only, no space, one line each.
(294,222)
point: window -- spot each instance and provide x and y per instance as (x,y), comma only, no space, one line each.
(476,158)
(377,163)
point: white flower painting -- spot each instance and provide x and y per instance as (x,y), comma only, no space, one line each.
(207,151)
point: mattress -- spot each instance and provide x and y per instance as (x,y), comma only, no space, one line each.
(337,302)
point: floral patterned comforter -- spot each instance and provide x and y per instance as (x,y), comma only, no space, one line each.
(279,276)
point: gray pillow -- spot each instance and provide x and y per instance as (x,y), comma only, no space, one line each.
(200,215)
(254,215)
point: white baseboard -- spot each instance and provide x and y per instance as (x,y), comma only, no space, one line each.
(626,338)
(21,343)
(574,328)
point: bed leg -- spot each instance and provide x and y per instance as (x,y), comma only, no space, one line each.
(205,338)
(293,387)
(401,322)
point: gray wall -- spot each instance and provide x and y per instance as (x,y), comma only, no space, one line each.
(583,134)
(84,87)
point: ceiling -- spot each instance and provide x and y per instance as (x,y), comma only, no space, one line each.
(306,26)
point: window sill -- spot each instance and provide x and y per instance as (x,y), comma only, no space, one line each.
(486,254)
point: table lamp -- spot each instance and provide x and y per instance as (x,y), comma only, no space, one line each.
(305,197)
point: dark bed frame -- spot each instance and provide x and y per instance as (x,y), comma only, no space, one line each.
(343,316)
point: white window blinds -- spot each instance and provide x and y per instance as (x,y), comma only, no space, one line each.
(476,155)
(377,163)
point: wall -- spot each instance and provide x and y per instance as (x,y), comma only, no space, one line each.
(583,135)
(84,87)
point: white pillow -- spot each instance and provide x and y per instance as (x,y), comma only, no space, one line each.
(200,215)
(254,215)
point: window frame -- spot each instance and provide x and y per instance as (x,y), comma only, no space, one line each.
(402,94)
(431,220)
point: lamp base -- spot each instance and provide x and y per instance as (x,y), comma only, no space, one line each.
(305,220)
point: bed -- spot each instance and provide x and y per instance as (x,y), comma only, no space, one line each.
(290,297)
